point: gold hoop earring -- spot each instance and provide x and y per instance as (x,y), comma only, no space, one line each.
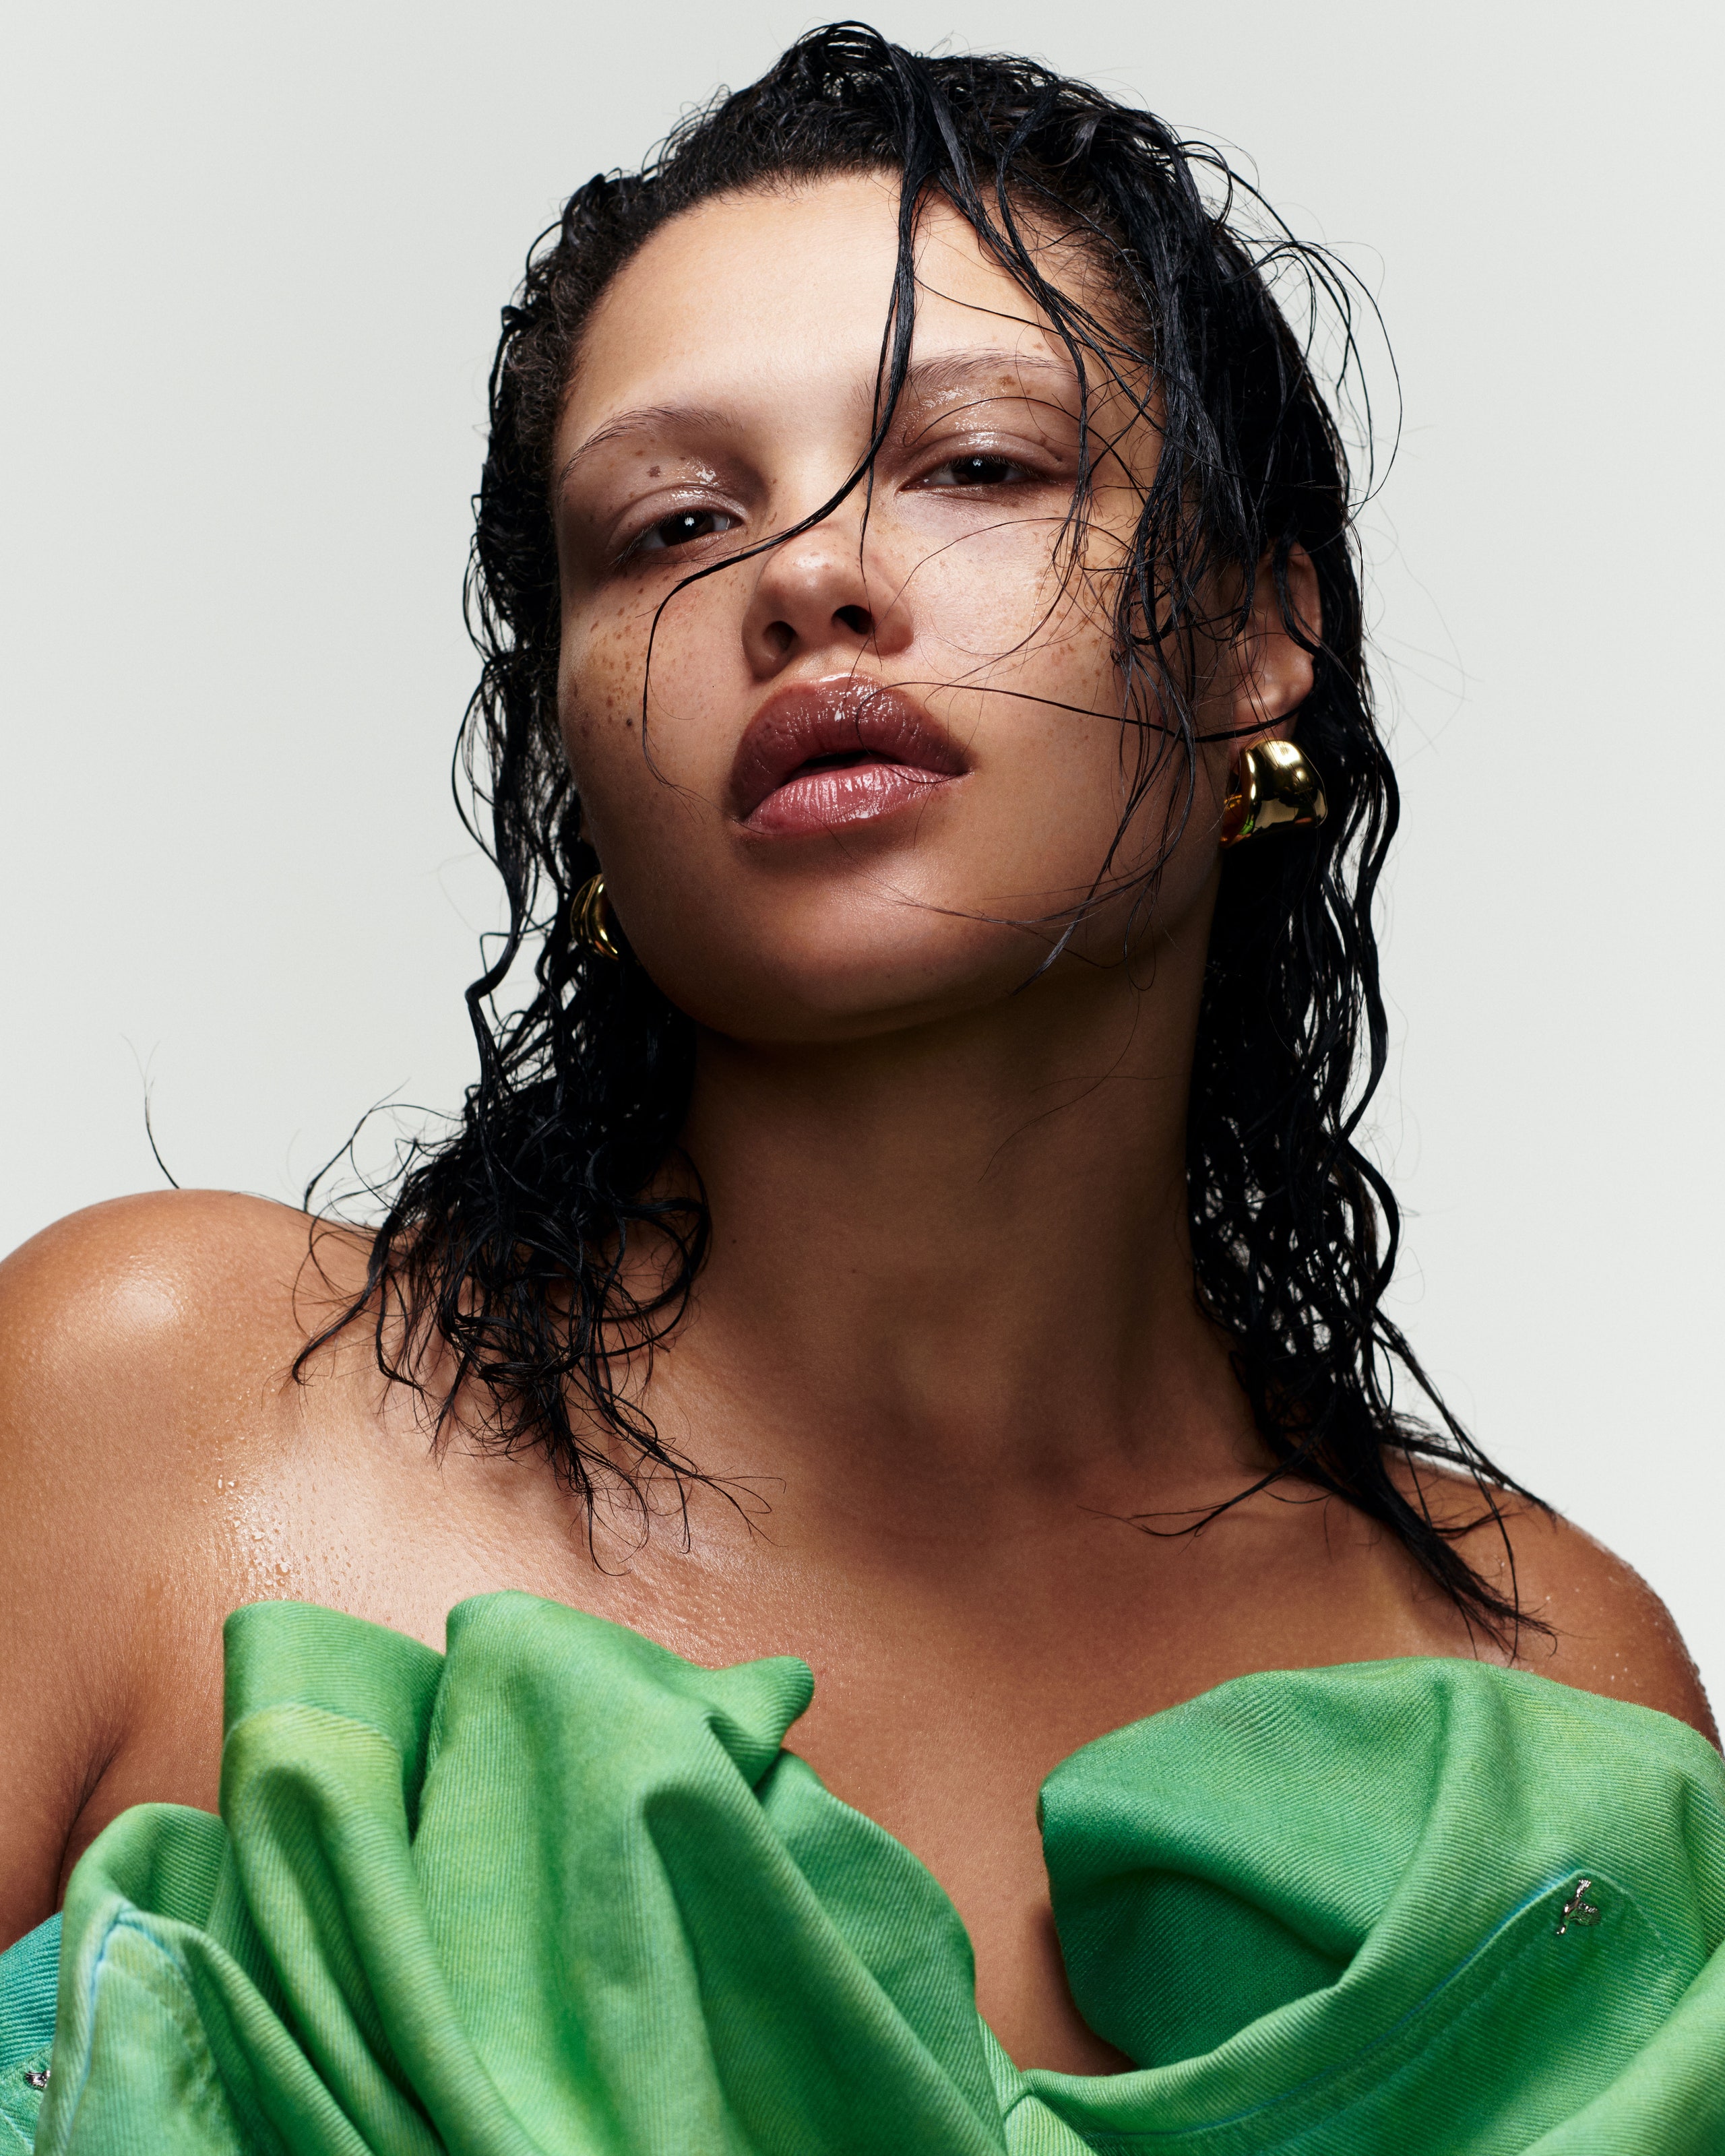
(591,920)
(1272,786)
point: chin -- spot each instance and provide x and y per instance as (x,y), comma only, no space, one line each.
(797,984)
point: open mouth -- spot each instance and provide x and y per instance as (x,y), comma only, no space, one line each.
(824,756)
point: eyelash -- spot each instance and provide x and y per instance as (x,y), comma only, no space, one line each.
(1018,474)
(644,543)
(721,520)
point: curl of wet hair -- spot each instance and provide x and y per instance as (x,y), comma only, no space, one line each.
(505,1245)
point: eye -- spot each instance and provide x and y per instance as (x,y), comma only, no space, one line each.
(978,470)
(678,531)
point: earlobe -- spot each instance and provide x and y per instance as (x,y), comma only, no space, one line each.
(1271,784)
(1276,673)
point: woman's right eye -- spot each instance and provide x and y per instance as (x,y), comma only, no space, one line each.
(686,525)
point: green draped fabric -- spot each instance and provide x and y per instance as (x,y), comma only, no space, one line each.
(556,1892)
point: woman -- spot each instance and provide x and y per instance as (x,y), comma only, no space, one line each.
(909,1222)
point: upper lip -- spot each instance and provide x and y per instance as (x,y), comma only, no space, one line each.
(807,721)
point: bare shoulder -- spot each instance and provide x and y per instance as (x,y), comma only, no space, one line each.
(1609,1631)
(139,1342)
(153,1257)
(147,1303)
(135,1337)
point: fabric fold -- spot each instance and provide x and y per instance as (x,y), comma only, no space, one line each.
(557,1893)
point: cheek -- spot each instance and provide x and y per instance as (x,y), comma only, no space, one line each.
(1009,619)
(598,683)
(987,598)
(690,694)
(601,668)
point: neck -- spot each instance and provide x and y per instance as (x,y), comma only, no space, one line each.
(958,1255)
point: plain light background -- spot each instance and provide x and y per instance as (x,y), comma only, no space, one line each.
(253,264)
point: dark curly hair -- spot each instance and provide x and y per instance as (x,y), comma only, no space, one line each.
(506,1242)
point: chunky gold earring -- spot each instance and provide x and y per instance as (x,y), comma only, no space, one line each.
(591,920)
(1272,784)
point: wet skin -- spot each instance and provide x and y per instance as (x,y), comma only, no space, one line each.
(947,1344)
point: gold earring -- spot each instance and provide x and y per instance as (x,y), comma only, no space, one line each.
(1272,784)
(591,920)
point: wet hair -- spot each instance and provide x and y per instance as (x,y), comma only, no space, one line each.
(507,1240)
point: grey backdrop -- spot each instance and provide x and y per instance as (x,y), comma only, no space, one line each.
(253,259)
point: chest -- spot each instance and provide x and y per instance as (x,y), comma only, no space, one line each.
(946,1689)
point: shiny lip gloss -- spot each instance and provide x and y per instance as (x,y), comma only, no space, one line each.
(824,756)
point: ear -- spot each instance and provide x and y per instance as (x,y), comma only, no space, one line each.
(1274,671)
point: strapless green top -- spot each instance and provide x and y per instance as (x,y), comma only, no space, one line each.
(556,1892)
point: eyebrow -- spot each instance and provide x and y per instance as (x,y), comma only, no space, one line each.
(925,378)
(642,420)
(952,370)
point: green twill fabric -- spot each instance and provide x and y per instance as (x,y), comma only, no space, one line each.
(556,1892)
(28,1974)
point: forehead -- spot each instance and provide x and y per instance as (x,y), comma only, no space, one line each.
(782,294)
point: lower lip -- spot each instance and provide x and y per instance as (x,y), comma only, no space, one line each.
(841,799)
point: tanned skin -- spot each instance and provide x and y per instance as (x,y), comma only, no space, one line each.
(946,1348)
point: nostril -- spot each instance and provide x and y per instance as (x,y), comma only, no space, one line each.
(857,619)
(781,636)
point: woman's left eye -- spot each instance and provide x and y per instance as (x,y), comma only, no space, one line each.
(978,470)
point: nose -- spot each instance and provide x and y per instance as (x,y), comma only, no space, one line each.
(823,591)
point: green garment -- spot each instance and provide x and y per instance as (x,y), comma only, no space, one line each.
(558,1891)
(28,1973)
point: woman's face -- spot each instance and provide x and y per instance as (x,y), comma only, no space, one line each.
(878,756)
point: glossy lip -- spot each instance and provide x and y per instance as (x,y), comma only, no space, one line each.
(894,754)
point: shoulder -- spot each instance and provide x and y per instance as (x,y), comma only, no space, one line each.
(140,1343)
(128,1334)
(131,1333)
(148,1258)
(1606,1629)
(1610,1632)
(170,1287)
